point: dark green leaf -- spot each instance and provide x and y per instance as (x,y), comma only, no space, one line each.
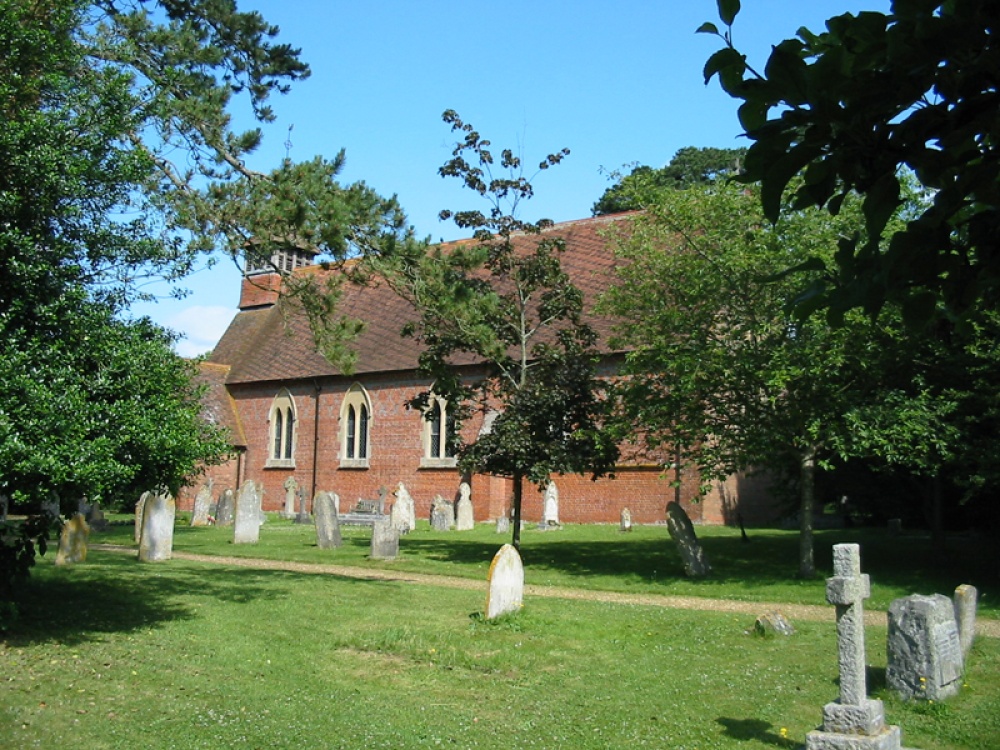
(728,9)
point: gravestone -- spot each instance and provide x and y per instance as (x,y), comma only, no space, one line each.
(464,517)
(227,507)
(303,515)
(773,623)
(327,523)
(505,592)
(895,526)
(966,600)
(626,520)
(442,514)
(550,507)
(385,540)
(140,508)
(291,494)
(682,532)
(923,652)
(202,502)
(95,518)
(403,513)
(4,506)
(73,541)
(157,541)
(246,523)
(503,525)
(854,722)
(50,506)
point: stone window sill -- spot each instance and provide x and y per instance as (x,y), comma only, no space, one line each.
(438,463)
(280,463)
(354,463)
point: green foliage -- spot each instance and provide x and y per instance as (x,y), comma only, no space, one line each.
(504,302)
(722,372)
(99,407)
(19,541)
(690,167)
(849,109)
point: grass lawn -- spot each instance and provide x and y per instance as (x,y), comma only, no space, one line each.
(117,654)
(644,561)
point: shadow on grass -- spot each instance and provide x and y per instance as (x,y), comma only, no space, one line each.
(770,558)
(113,593)
(746,730)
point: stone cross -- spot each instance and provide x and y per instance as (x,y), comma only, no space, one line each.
(303,514)
(855,722)
(847,590)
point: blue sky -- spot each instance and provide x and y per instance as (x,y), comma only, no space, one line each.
(616,83)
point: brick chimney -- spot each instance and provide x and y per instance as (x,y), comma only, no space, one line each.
(259,290)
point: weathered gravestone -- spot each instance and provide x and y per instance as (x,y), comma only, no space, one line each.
(626,520)
(227,506)
(442,514)
(682,532)
(895,526)
(50,506)
(855,722)
(95,518)
(303,515)
(140,508)
(4,505)
(923,651)
(464,518)
(327,523)
(157,541)
(773,623)
(385,540)
(247,520)
(403,514)
(505,592)
(966,600)
(503,525)
(202,502)
(550,507)
(73,541)
(291,494)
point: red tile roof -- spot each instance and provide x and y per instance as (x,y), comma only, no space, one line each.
(275,343)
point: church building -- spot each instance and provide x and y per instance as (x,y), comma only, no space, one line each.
(291,414)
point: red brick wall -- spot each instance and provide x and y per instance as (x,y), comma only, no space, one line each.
(259,290)
(395,451)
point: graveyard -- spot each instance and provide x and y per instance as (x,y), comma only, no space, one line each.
(244,645)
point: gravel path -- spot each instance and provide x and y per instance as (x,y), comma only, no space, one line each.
(987,628)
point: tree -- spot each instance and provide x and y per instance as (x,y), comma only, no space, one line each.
(723,373)
(853,107)
(504,306)
(690,166)
(98,407)
(117,163)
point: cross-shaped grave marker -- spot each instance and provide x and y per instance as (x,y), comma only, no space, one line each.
(855,722)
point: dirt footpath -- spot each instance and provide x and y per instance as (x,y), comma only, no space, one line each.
(987,628)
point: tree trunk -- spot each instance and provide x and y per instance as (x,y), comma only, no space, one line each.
(516,522)
(807,499)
